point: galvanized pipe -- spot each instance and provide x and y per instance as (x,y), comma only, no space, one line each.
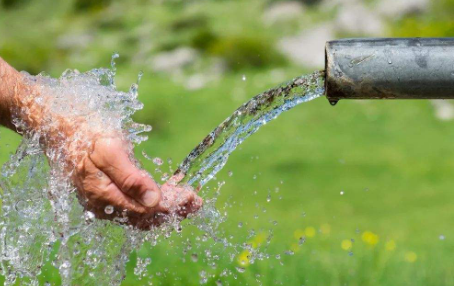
(399,68)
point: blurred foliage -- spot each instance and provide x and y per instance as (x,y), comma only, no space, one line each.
(246,52)
(305,2)
(436,23)
(9,4)
(91,29)
(90,5)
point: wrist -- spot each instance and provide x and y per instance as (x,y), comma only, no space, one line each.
(11,81)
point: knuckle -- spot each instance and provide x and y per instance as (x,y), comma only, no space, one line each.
(100,146)
(130,184)
(94,191)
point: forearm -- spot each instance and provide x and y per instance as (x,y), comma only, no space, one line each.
(26,105)
(19,100)
(10,81)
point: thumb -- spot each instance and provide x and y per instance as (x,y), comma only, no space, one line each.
(110,155)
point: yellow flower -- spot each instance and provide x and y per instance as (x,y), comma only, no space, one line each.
(310,231)
(325,228)
(295,247)
(243,258)
(346,244)
(298,233)
(390,245)
(258,240)
(370,238)
(411,257)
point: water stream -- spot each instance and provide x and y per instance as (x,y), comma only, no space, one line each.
(42,222)
(210,156)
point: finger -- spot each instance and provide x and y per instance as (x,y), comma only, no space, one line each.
(175,179)
(179,200)
(111,156)
(101,191)
(190,208)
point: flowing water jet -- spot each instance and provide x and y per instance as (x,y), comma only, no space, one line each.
(210,156)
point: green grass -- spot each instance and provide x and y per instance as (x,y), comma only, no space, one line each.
(393,160)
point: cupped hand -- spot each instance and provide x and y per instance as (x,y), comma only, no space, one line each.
(112,187)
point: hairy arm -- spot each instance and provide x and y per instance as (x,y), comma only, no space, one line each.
(10,80)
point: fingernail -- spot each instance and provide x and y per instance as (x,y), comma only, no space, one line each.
(150,199)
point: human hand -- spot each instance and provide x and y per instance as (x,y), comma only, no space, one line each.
(113,187)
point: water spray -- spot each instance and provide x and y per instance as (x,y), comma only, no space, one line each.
(390,68)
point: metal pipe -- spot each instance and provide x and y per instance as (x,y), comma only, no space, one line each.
(400,68)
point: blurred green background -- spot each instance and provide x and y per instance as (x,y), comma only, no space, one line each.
(368,185)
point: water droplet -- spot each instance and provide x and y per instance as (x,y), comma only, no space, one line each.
(194,257)
(240,269)
(230,173)
(243,77)
(109,209)
(289,252)
(203,277)
(165,177)
(64,268)
(302,240)
(20,205)
(89,216)
(139,77)
(441,237)
(157,161)
(342,193)
(240,224)
(145,155)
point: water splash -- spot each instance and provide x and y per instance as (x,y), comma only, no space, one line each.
(210,156)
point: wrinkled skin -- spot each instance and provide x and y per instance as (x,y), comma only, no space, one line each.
(108,177)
